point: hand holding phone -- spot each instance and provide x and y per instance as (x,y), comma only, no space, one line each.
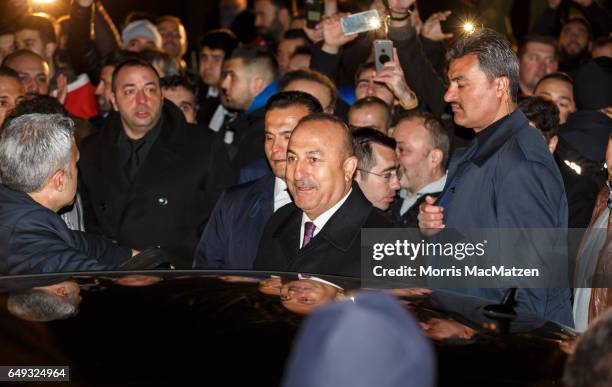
(313,9)
(333,36)
(383,53)
(361,22)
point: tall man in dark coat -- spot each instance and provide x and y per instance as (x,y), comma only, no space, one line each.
(232,235)
(150,178)
(506,177)
(38,158)
(320,232)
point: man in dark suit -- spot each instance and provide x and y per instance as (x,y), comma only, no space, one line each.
(215,47)
(151,179)
(320,232)
(38,157)
(232,235)
(506,178)
(422,150)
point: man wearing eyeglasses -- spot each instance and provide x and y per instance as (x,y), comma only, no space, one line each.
(377,167)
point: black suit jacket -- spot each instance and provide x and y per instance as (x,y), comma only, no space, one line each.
(335,250)
(207,105)
(173,192)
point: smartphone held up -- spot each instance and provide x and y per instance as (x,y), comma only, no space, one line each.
(383,53)
(360,22)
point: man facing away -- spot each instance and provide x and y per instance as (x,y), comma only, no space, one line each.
(38,158)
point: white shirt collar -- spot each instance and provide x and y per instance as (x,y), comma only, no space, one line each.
(409,200)
(321,219)
(281,196)
(213,92)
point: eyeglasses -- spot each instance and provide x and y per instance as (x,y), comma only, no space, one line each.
(387,176)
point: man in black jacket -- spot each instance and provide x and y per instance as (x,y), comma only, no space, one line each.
(150,179)
(38,157)
(321,231)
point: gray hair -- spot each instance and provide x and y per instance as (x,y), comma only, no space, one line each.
(32,148)
(495,56)
(40,305)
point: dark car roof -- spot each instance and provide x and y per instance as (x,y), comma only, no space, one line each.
(217,328)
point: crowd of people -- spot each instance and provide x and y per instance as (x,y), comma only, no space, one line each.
(287,142)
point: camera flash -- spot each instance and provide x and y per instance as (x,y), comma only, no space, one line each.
(469,27)
(374,23)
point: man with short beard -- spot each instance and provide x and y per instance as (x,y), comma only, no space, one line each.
(272,18)
(33,71)
(574,43)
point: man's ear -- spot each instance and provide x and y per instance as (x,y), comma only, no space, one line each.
(50,50)
(436,156)
(502,86)
(257,85)
(58,180)
(113,100)
(349,166)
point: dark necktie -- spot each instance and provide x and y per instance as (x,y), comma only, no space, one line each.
(134,162)
(309,228)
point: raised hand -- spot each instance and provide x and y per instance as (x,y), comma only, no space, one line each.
(392,75)
(432,29)
(333,37)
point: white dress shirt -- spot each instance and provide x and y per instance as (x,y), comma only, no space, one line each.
(281,196)
(321,219)
(212,92)
(216,121)
(409,200)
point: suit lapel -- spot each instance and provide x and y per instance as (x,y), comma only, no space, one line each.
(345,225)
(288,233)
